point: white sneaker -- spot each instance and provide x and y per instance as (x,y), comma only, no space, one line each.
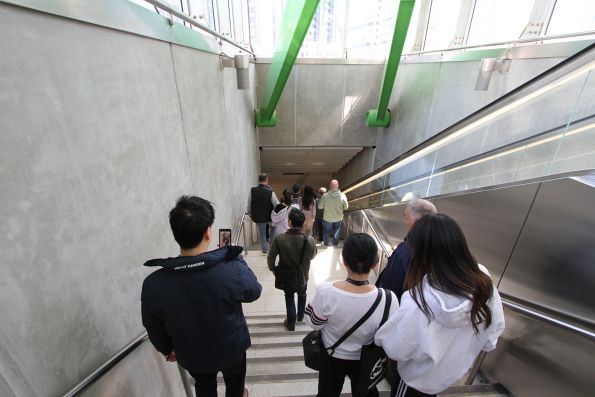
(264,253)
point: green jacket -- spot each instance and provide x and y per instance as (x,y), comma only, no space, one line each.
(333,203)
(288,246)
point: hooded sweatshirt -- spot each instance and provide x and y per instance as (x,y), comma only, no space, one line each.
(333,203)
(193,306)
(280,216)
(432,355)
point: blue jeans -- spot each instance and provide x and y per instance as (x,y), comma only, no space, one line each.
(262,236)
(290,304)
(331,229)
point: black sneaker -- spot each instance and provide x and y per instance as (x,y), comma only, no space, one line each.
(289,327)
(300,318)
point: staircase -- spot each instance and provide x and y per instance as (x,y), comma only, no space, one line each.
(275,365)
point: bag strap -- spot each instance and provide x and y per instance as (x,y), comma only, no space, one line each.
(304,249)
(359,323)
(386,307)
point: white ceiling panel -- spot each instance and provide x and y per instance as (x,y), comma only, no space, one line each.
(310,159)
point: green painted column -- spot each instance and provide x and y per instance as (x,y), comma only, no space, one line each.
(380,117)
(297,17)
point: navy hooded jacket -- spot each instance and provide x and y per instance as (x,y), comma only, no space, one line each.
(193,306)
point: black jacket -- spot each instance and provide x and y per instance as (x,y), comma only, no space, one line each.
(393,275)
(261,204)
(193,306)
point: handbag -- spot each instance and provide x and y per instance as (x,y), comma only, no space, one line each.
(286,277)
(316,356)
(373,360)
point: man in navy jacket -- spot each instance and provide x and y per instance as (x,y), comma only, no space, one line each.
(192,306)
(393,276)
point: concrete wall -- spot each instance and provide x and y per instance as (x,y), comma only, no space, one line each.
(322,105)
(100,132)
(426,98)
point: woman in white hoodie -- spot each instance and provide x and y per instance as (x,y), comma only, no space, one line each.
(451,312)
(280,214)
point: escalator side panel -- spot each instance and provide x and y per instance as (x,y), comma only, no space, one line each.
(491,221)
(535,359)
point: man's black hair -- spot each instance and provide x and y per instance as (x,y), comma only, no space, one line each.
(297,218)
(189,220)
(296,188)
(263,177)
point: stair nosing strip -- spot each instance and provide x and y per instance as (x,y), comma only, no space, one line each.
(279,345)
(275,378)
(277,333)
(272,360)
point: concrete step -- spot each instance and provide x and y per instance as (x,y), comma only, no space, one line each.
(278,367)
(293,386)
(275,327)
(278,337)
(280,352)
(479,390)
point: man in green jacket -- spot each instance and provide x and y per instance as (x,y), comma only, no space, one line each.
(295,251)
(333,203)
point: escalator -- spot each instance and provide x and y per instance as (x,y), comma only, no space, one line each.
(519,177)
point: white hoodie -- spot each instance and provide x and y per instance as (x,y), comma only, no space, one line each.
(432,356)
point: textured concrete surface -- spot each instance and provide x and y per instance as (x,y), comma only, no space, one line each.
(100,132)
(429,97)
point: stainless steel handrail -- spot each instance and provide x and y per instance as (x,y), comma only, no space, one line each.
(166,7)
(514,42)
(375,234)
(542,316)
(89,380)
(112,361)
(240,231)
(534,314)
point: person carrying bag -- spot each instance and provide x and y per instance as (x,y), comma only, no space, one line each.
(345,317)
(295,251)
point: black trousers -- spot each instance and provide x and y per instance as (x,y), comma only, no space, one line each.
(400,389)
(234,377)
(332,377)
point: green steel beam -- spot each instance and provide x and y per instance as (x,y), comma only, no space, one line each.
(297,17)
(380,117)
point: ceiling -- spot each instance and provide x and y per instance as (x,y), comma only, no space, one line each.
(306,159)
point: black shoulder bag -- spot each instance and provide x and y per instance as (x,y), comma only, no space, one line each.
(316,355)
(373,361)
(288,278)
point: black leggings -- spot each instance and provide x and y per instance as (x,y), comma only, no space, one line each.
(332,377)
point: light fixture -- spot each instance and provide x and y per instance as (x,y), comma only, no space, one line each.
(242,65)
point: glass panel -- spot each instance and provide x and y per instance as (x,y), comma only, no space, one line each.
(370,28)
(411,32)
(265,25)
(572,16)
(443,24)
(499,20)
(545,129)
(325,36)
(202,10)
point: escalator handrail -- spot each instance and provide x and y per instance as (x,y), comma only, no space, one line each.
(375,234)
(466,120)
(538,315)
(129,348)
(110,363)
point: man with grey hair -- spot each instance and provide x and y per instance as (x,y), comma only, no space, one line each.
(393,276)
